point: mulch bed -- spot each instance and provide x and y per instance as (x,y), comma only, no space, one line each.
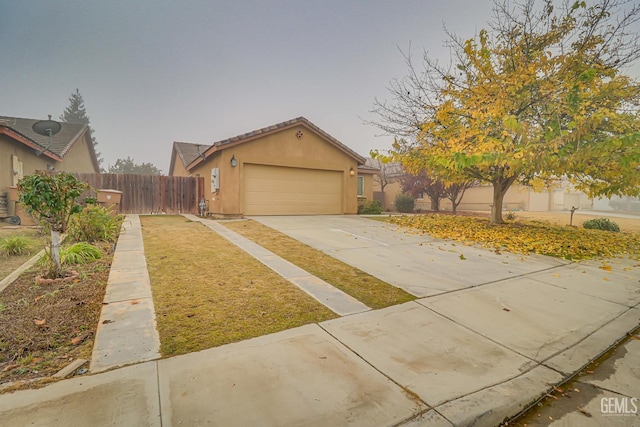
(43,327)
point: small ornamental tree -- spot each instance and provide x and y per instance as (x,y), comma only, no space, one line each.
(51,198)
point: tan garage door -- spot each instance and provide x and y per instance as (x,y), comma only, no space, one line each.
(275,190)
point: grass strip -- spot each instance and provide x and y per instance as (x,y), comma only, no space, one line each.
(208,292)
(370,290)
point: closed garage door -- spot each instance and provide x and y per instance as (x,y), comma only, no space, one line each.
(275,190)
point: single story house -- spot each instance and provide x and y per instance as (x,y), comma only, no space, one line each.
(23,151)
(290,168)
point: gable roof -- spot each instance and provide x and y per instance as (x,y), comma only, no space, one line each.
(250,136)
(21,130)
(187,152)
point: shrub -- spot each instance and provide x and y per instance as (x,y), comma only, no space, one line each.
(78,253)
(404,203)
(15,246)
(601,224)
(372,207)
(94,224)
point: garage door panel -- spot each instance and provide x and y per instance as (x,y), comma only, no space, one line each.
(275,190)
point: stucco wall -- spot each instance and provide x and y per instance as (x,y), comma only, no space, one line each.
(30,162)
(282,148)
(391,191)
(178,168)
(78,158)
(518,198)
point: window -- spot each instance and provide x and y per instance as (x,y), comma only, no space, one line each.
(361,186)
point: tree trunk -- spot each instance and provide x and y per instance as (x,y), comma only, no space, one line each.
(55,250)
(435,204)
(500,187)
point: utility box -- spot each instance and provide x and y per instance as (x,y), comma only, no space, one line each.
(110,199)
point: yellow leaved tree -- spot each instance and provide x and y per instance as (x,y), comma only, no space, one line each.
(538,96)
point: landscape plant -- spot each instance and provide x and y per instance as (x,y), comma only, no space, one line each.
(372,207)
(15,246)
(601,224)
(95,223)
(52,198)
(404,203)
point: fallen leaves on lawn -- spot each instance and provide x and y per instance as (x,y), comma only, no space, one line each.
(79,339)
(525,237)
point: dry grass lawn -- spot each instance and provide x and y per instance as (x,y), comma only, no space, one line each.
(368,289)
(208,292)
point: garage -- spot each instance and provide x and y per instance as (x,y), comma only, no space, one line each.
(277,190)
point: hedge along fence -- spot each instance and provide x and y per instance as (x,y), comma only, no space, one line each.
(143,194)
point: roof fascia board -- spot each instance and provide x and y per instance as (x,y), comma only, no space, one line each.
(14,135)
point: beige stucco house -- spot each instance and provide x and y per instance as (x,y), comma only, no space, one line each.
(23,151)
(291,168)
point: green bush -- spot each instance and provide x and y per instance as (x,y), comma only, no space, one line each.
(601,224)
(15,246)
(404,203)
(78,253)
(94,224)
(372,207)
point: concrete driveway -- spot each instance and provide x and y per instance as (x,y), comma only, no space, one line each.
(418,264)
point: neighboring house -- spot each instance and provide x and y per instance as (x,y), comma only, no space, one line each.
(386,183)
(291,168)
(522,198)
(23,151)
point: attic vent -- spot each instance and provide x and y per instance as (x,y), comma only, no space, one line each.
(299,134)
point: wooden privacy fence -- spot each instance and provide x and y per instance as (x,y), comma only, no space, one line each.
(143,194)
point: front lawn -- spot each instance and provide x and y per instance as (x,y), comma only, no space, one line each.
(524,236)
(208,292)
(368,289)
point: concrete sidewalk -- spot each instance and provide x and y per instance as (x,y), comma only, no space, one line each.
(471,354)
(126,331)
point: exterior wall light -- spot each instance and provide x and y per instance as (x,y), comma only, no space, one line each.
(234,162)
(351,171)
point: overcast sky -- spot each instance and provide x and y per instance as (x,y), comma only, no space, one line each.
(152,72)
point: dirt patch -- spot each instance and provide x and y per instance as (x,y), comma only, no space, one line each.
(44,327)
